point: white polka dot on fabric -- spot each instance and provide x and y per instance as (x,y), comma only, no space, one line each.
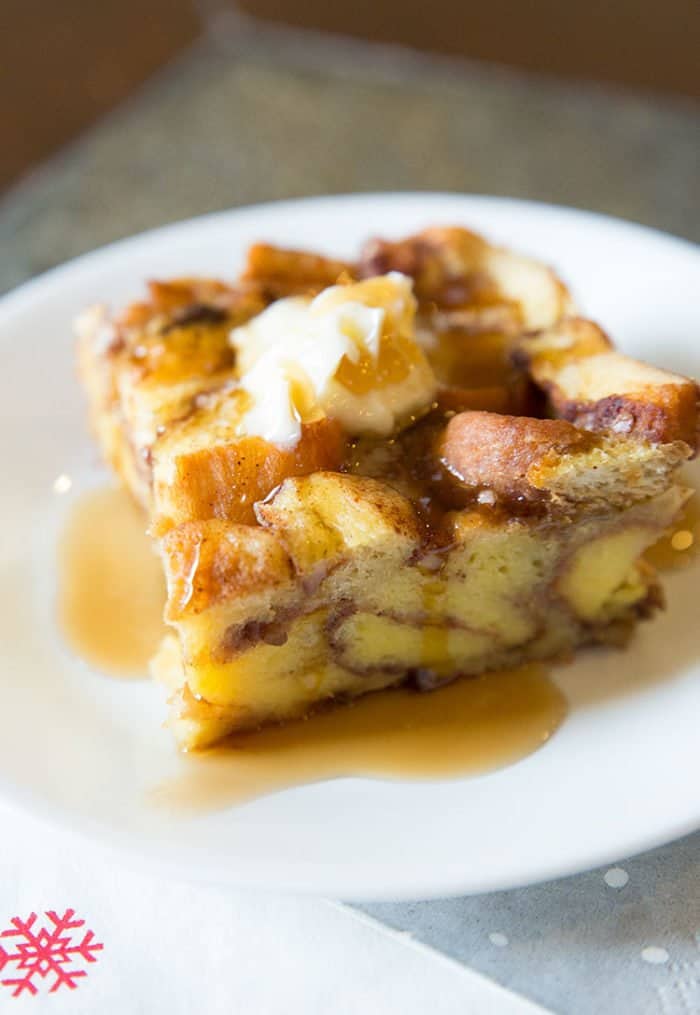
(499,940)
(656,956)
(616,877)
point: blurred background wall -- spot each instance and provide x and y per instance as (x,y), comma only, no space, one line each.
(65,63)
(646,43)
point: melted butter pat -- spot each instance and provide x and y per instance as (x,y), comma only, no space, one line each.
(350,353)
(111,587)
(467,728)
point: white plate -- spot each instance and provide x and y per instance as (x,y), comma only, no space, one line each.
(619,777)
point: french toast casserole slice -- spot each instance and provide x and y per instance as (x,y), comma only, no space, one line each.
(416,466)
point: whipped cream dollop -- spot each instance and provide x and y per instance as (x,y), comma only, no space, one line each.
(349,353)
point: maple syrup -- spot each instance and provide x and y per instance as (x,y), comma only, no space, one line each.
(111,585)
(435,648)
(466,728)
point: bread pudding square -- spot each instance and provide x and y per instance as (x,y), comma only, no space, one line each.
(406,469)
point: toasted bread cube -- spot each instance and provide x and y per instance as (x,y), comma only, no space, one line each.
(512,460)
(204,468)
(591,385)
(456,269)
(474,300)
(213,562)
(326,518)
(145,368)
(279,272)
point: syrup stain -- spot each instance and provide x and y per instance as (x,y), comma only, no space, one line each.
(111,590)
(466,728)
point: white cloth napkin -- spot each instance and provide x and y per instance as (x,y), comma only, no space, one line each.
(171,947)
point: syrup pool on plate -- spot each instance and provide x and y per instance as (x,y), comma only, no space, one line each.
(111,599)
(111,584)
(469,727)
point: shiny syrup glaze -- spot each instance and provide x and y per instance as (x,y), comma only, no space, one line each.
(110,606)
(111,585)
(466,728)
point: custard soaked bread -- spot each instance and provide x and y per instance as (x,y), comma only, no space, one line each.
(353,483)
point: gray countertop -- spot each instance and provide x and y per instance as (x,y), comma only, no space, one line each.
(253,114)
(257,114)
(581,945)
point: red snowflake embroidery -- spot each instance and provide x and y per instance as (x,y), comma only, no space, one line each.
(46,951)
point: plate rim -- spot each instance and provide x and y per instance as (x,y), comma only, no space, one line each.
(304,879)
(14,298)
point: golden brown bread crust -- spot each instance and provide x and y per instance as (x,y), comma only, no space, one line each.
(167,300)
(468,284)
(227,480)
(277,272)
(523,464)
(491,452)
(660,413)
(145,368)
(209,562)
(444,264)
(598,389)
